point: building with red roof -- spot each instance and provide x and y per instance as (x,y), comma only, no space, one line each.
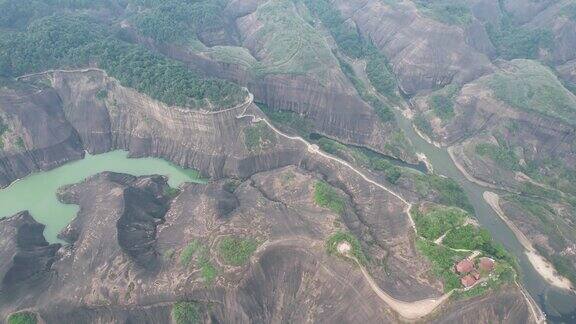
(468,281)
(464,266)
(486,264)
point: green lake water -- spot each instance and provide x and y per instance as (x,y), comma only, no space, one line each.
(37,192)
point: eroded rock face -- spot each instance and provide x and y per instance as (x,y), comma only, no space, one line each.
(134,208)
(26,256)
(38,136)
(424,53)
(102,278)
(213,143)
(319,91)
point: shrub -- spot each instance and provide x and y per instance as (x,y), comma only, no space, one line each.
(258,137)
(186,313)
(22,318)
(326,196)
(188,252)
(237,251)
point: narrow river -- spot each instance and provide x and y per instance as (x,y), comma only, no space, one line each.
(37,192)
(559,306)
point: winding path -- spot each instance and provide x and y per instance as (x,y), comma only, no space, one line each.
(408,310)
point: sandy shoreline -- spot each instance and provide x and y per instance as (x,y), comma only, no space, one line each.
(540,264)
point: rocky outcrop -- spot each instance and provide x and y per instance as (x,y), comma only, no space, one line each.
(319,90)
(99,280)
(136,207)
(88,110)
(424,53)
(26,256)
(38,136)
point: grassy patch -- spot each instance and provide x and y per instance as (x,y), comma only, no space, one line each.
(208,270)
(530,86)
(438,220)
(189,251)
(237,251)
(22,318)
(443,259)
(326,196)
(335,239)
(258,137)
(186,313)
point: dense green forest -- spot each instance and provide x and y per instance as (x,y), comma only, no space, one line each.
(178,20)
(74,40)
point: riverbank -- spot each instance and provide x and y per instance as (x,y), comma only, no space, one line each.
(540,264)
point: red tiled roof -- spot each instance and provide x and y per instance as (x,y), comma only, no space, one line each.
(486,264)
(468,281)
(464,266)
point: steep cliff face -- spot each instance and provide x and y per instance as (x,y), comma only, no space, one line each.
(287,65)
(26,257)
(88,110)
(424,53)
(37,135)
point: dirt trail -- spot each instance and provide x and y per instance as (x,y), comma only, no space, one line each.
(542,266)
(408,310)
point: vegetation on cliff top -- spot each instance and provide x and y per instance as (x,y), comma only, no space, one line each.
(67,41)
(442,101)
(178,21)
